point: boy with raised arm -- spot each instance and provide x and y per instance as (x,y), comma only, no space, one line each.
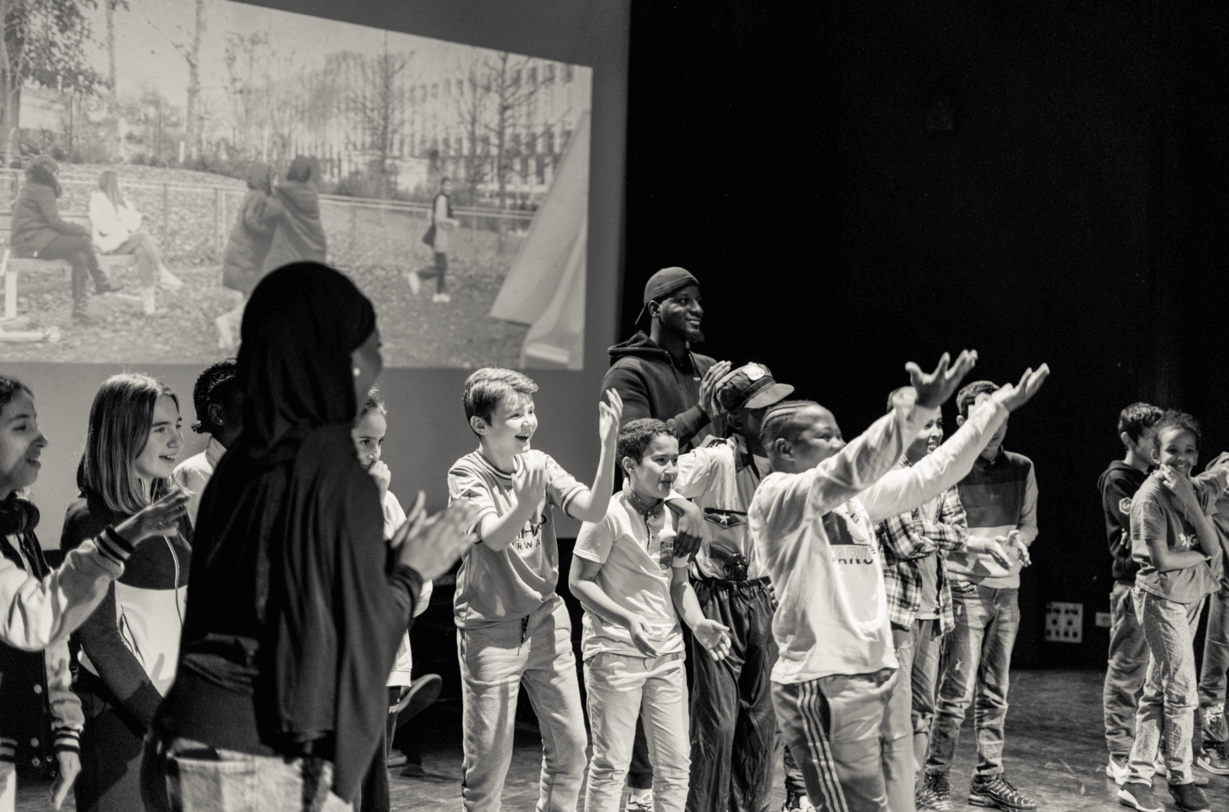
(813,522)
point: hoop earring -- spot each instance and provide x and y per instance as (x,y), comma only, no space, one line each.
(357,372)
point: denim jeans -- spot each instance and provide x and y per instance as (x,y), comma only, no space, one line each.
(622,688)
(917,650)
(180,775)
(975,664)
(851,737)
(1124,676)
(733,728)
(1171,695)
(1215,665)
(495,662)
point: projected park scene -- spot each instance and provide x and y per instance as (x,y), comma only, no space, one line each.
(193,145)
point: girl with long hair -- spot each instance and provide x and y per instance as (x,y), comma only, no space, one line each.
(129,646)
(116,229)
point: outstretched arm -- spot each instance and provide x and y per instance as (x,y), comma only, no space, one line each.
(589,505)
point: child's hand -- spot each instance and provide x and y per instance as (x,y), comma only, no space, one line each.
(608,416)
(1177,484)
(380,473)
(431,545)
(994,548)
(708,386)
(1015,542)
(1013,397)
(156,519)
(934,389)
(529,483)
(70,765)
(714,637)
(640,636)
(691,526)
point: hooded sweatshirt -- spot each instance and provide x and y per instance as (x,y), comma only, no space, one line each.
(36,215)
(652,383)
(1118,484)
(296,608)
(299,234)
(252,235)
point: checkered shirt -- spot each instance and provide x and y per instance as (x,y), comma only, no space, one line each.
(931,529)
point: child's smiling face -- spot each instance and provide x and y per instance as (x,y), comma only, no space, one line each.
(21,443)
(1177,448)
(652,477)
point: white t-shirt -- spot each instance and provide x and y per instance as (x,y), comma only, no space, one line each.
(637,561)
(394,517)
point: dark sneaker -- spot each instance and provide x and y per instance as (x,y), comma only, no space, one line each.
(935,794)
(996,792)
(1139,796)
(797,803)
(1213,758)
(1189,798)
(108,287)
(423,692)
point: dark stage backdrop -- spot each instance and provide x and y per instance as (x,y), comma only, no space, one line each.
(862,184)
(427,427)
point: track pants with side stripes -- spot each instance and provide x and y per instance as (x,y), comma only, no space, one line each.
(853,738)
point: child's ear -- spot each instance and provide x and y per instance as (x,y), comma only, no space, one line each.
(626,464)
(216,414)
(1126,439)
(478,424)
(959,420)
(781,447)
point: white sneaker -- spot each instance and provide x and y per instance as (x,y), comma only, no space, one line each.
(441,298)
(1117,771)
(169,280)
(147,302)
(642,802)
(414,281)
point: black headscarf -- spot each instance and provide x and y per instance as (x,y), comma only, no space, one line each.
(290,590)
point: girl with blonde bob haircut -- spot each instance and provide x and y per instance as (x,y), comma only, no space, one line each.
(129,646)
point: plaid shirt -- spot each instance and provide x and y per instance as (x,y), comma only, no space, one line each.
(931,529)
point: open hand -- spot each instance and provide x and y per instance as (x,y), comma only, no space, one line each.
(529,483)
(995,549)
(70,766)
(714,637)
(935,388)
(608,417)
(640,636)
(1015,542)
(708,387)
(1013,397)
(432,544)
(691,526)
(155,519)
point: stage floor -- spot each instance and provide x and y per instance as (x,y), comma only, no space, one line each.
(1055,751)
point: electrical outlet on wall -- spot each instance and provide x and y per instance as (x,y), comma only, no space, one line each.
(1064,622)
(1105,620)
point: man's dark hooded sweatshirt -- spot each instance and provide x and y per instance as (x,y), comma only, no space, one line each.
(295,613)
(653,383)
(299,234)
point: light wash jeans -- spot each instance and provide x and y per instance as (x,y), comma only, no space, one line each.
(976,663)
(917,650)
(1125,673)
(621,688)
(181,775)
(495,662)
(1171,694)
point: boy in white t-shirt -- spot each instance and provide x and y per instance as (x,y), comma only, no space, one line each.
(634,589)
(813,521)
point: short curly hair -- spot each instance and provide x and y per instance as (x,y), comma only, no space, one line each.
(1138,418)
(217,383)
(1174,419)
(638,435)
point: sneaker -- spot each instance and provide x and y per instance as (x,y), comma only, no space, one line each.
(108,287)
(935,794)
(82,317)
(1213,758)
(441,298)
(169,280)
(396,758)
(1189,798)
(1139,796)
(1118,769)
(1163,771)
(423,691)
(414,281)
(797,803)
(996,792)
(639,803)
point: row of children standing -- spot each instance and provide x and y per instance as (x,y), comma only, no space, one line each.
(1168,531)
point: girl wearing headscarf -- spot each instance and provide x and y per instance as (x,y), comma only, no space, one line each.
(38,231)
(39,606)
(299,234)
(116,229)
(127,648)
(249,243)
(298,604)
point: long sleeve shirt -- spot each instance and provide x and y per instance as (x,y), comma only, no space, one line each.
(999,496)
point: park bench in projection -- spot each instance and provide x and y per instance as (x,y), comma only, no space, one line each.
(11,268)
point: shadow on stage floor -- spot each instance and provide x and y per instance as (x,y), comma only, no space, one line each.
(1055,751)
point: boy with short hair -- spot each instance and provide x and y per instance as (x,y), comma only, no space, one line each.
(1128,653)
(512,626)
(999,496)
(634,586)
(218,403)
(813,522)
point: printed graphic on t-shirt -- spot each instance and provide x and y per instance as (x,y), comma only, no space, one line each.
(850,541)
(1185,542)
(530,536)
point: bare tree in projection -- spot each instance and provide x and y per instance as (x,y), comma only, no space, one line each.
(44,42)
(187,42)
(379,108)
(472,105)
